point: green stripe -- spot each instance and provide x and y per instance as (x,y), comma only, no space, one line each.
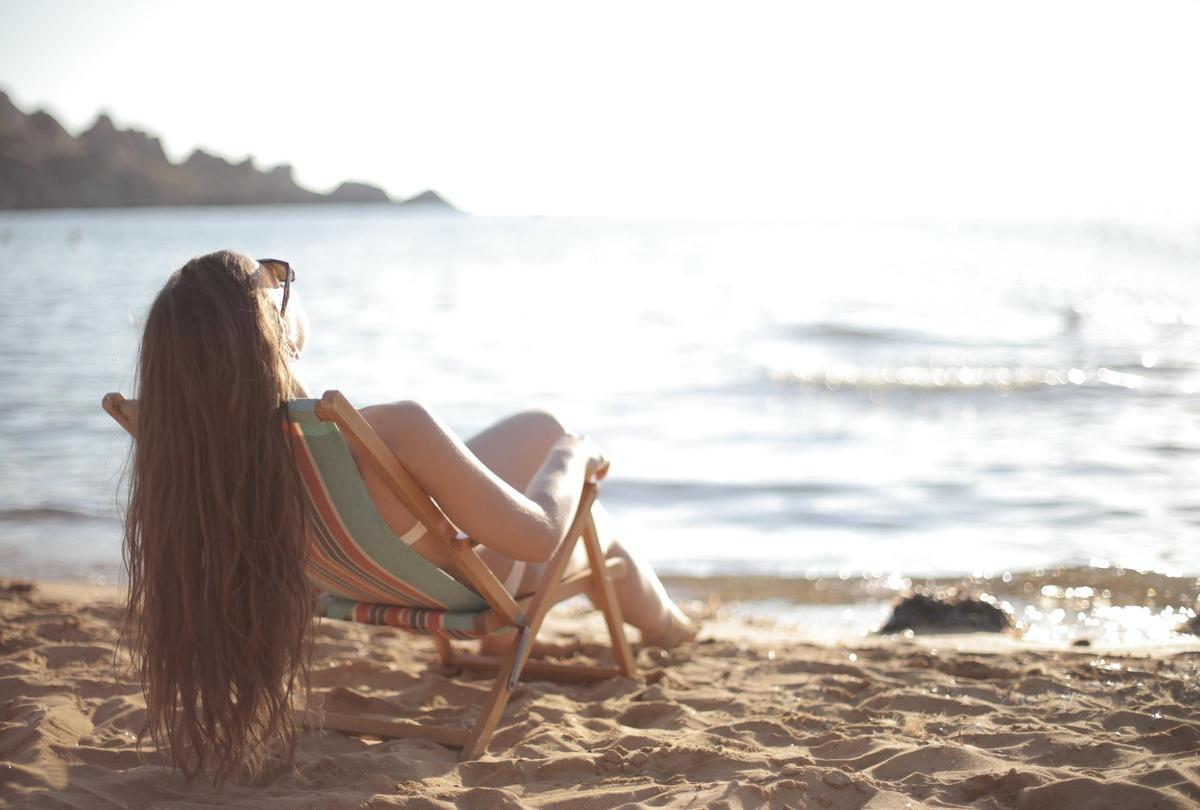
(358,511)
(304,411)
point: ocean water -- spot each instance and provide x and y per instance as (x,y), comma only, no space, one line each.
(810,399)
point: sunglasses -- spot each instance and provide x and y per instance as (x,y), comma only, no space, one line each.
(284,274)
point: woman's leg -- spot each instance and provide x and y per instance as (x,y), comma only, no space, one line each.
(514,449)
(640,593)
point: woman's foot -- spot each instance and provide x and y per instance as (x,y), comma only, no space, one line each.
(678,628)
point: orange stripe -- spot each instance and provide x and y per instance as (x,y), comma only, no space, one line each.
(331,518)
(319,497)
(356,582)
(325,571)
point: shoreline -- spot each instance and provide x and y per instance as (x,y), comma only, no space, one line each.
(1115,583)
(820,623)
(1124,585)
(1112,608)
(1123,611)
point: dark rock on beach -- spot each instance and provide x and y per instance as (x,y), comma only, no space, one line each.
(927,614)
(1192,626)
(44,166)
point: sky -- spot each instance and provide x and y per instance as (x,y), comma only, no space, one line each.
(972,109)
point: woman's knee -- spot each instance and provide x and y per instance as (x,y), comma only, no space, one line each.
(541,427)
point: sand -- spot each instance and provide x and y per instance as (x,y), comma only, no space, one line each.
(748,716)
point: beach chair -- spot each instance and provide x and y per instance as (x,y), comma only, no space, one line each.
(370,575)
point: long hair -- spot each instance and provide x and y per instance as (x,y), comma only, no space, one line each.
(219,607)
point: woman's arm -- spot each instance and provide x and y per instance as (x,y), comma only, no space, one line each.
(525,526)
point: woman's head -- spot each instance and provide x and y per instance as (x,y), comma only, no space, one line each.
(221,313)
(215,528)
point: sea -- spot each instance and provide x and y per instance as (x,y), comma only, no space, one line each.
(878,401)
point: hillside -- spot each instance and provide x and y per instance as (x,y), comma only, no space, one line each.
(44,166)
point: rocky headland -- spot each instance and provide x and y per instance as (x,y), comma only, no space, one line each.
(44,166)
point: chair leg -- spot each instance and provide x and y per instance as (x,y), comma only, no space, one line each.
(497,699)
(607,597)
(445,651)
(493,708)
(541,603)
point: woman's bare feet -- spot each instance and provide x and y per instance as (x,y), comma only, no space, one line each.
(678,628)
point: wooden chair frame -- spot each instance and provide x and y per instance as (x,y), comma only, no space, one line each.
(525,615)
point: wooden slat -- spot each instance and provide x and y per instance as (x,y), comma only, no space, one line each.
(362,724)
(485,581)
(336,408)
(493,707)
(542,670)
(124,411)
(445,651)
(606,597)
(544,598)
(577,583)
(572,585)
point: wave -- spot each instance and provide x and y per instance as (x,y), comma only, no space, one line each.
(654,491)
(50,513)
(857,333)
(970,378)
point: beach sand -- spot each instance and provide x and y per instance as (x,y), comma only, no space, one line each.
(749,716)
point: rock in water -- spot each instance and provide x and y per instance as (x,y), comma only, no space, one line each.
(921,613)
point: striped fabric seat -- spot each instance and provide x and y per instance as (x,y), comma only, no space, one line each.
(367,572)
(446,623)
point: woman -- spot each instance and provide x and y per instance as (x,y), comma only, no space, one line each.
(219,606)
